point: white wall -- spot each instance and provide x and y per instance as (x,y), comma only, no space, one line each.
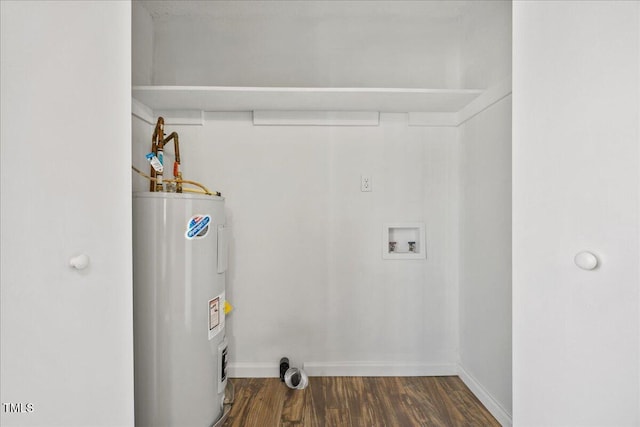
(576,187)
(280,43)
(141,132)
(485,43)
(307,277)
(485,211)
(67,339)
(485,254)
(141,45)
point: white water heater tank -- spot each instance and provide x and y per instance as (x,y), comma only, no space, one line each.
(180,259)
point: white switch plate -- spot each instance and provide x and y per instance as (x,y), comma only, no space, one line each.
(365,183)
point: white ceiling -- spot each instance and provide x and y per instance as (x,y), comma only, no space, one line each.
(427,9)
(311,43)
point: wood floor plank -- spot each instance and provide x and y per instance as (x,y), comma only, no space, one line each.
(358,401)
(374,399)
(310,415)
(388,399)
(421,409)
(454,413)
(407,410)
(266,405)
(338,417)
(293,409)
(426,401)
(358,408)
(318,399)
(335,392)
(245,390)
(465,401)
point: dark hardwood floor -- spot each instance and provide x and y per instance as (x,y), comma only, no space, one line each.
(357,402)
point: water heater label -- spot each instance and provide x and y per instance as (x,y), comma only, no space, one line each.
(197,227)
(216,315)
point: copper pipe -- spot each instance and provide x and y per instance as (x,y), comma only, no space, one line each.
(158,141)
(156,145)
(176,145)
(177,174)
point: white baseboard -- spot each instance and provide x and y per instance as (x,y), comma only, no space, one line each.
(377,369)
(346,369)
(492,405)
(253,370)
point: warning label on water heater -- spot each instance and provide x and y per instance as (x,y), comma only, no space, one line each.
(216,315)
(197,227)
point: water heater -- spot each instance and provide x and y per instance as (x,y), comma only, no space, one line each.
(180,259)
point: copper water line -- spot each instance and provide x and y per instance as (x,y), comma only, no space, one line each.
(177,174)
(156,144)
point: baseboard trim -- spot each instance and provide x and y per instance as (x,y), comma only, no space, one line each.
(346,369)
(253,370)
(492,405)
(378,369)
